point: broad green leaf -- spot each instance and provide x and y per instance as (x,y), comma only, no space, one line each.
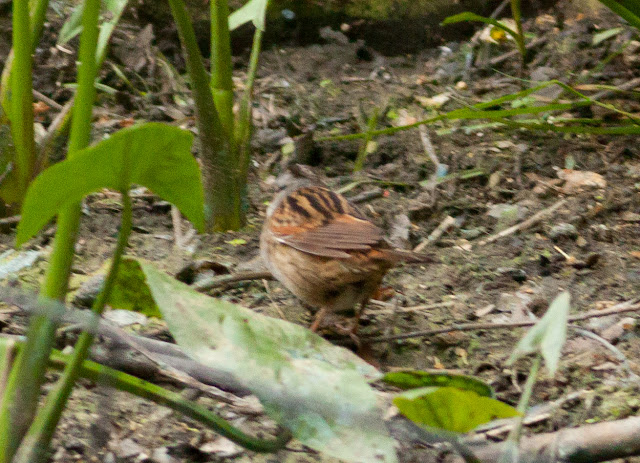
(548,335)
(157,156)
(412,379)
(319,391)
(450,408)
(253,10)
(468,16)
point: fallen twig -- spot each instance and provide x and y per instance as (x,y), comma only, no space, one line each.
(507,56)
(619,355)
(629,306)
(45,99)
(10,220)
(366,196)
(537,217)
(217,282)
(436,234)
(630,85)
(591,443)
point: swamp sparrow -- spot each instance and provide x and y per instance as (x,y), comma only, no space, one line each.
(323,250)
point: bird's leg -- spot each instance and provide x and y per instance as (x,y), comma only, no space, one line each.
(318,319)
(356,324)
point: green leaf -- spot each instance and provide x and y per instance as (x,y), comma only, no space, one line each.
(254,11)
(72,26)
(130,291)
(412,379)
(605,34)
(319,391)
(157,156)
(468,16)
(112,9)
(237,242)
(548,335)
(450,408)
(626,9)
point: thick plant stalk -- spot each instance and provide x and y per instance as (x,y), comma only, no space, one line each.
(221,72)
(21,114)
(38,14)
(36,443)
(221,196)
(23,388)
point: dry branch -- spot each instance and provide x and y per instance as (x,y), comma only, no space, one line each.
(586,444)
(629,306)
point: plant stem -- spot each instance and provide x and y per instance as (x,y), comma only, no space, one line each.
(221,82)
(141,388)
(222,199)
(124,382)
(38,14)
(516,12)
(244,127)
(364,147)
(510,454)
(21,114)
(35,445)
(23,388)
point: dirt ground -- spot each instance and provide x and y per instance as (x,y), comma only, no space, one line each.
(589,246)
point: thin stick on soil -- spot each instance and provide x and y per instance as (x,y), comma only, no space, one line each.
(629,306)
(619,355)
(436,234)
(534,219)
(209,284)
(13,220)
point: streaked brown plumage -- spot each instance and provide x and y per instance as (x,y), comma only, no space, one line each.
(321,248)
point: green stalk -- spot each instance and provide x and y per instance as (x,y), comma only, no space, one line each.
(141,388)
(34,447)
(124,382)
(364,147)
(221,72)
(38,14)
(21,114)
(23,388)
(510,453)
(516,12)
(221,197)
(244,125)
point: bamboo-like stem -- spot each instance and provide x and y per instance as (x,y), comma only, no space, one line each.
(21,113)
(36,443)
(38,14)
(221,72)
(23,388)
(222,200)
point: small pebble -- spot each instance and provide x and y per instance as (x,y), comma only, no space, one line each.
(563,230)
